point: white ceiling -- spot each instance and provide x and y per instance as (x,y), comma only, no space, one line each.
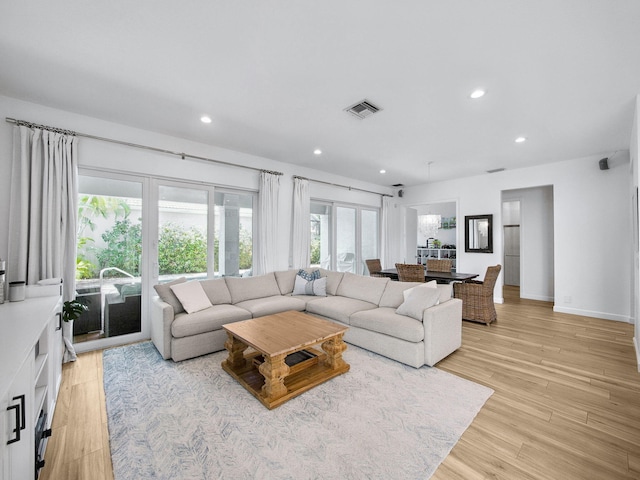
(275,77)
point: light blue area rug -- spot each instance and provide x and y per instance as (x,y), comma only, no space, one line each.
(191,420)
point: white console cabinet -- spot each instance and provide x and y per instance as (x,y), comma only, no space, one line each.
(30,373)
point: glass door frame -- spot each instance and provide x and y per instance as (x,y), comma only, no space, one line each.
(358,230)
(145,330)
(156,183)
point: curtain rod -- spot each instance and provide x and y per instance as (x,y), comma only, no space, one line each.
(135,145)
(343,186)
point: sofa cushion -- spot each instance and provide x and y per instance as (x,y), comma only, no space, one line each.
(259,307)
(166,294)
(249,288)
(307,298)
(338,308)
(187,324)
(445,289)
(217,291)
(431,284)
(368,289)
(386,320)
(317,287)
(285,280)
(333,280)
(418,301)
(392,296)
(191,296)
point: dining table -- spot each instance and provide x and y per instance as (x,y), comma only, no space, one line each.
(440,277)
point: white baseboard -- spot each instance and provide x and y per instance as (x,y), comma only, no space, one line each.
(542,298)
(589,313)
(636,343)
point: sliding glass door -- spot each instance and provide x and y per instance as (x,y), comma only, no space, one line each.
(109,257)
(369,237)
(346,248)
(321,222)
(185,248)
(343,237)
(233,237)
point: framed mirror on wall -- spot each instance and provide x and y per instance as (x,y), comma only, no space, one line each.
(478,233)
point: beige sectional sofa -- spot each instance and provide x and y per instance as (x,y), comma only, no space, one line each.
(367,305)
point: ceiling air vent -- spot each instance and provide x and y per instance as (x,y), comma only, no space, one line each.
(496,170)
(362,109)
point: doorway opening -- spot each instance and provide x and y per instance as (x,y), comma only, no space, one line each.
(528,244)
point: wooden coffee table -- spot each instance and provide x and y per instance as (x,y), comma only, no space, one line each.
(282,363)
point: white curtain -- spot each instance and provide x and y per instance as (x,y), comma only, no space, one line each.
(385,242)
(43,209)
(301,229)
(267,222)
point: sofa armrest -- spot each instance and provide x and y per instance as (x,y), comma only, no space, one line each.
(442,330)
(161,320)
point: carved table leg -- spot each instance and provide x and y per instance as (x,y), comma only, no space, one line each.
(236,350)
(334,348)
(274,371)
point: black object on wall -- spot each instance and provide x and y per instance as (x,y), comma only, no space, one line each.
(604,163)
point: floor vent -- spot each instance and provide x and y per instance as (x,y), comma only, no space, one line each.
(362,109)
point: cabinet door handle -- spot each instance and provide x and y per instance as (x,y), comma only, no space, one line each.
(17,429)
(59,314)
(23,419)
(20,418)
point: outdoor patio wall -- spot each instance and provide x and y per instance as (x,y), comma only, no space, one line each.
(592,232)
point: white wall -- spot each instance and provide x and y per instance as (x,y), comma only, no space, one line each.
(634,149)
(536,241)
(101,155)
(591,228)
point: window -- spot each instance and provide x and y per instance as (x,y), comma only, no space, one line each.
(183,227)
(346,240)
(343,237)
(320,235)
(369,236)
(233,237)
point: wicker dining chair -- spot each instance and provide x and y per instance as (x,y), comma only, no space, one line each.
(477,297)
(375,267)
(439,265)
(409,272)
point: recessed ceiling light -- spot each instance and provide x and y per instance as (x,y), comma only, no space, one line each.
(317,151)
(520,139)
(477,93)
(205,119)
(383,171)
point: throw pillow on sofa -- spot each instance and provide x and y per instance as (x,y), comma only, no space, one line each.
(167,296)
(317,287)
(309,276)
(192,296)
(418,301)
(409,291)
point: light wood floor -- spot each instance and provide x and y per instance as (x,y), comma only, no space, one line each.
(566,402)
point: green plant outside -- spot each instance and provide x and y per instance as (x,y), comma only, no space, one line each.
(315,250)
(180,250)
